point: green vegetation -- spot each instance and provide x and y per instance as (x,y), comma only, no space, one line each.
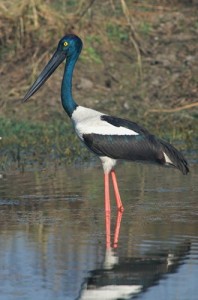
(116,32)
(25,144)
(145,28)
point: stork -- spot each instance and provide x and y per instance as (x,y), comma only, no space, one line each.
(110,138)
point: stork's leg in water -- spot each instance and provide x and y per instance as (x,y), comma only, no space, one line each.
(117,229)
(107,211)
(116,191)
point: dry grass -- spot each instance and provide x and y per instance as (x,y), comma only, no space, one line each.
(23,20)
(29,31)
(122,40)
(37,24)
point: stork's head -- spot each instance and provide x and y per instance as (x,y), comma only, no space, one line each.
(69,46)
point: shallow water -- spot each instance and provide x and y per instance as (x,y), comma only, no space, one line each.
(52,235)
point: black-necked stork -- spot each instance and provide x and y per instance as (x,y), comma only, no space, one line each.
(109,137)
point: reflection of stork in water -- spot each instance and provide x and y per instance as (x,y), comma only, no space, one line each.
(111,138)
(126,277)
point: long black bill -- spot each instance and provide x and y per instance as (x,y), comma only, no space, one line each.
(54,62)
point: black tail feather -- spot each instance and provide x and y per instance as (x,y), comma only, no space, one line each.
(175,156)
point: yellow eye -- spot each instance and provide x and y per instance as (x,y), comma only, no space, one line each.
(65,44)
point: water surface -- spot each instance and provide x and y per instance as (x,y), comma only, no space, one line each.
(52,235)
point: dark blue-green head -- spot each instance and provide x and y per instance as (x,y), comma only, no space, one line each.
(69,48)
(70,45)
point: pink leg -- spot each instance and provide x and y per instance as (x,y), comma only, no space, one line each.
(107,211)
(116,191)
(117,229)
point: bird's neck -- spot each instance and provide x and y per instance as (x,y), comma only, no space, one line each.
(68,102)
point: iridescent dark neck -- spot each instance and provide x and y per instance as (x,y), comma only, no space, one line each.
(68,102)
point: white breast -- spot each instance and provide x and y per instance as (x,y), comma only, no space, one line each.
(88,121)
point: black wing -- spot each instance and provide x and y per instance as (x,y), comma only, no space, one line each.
(119,122)
(128,147)
(136,148)
(149,142)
